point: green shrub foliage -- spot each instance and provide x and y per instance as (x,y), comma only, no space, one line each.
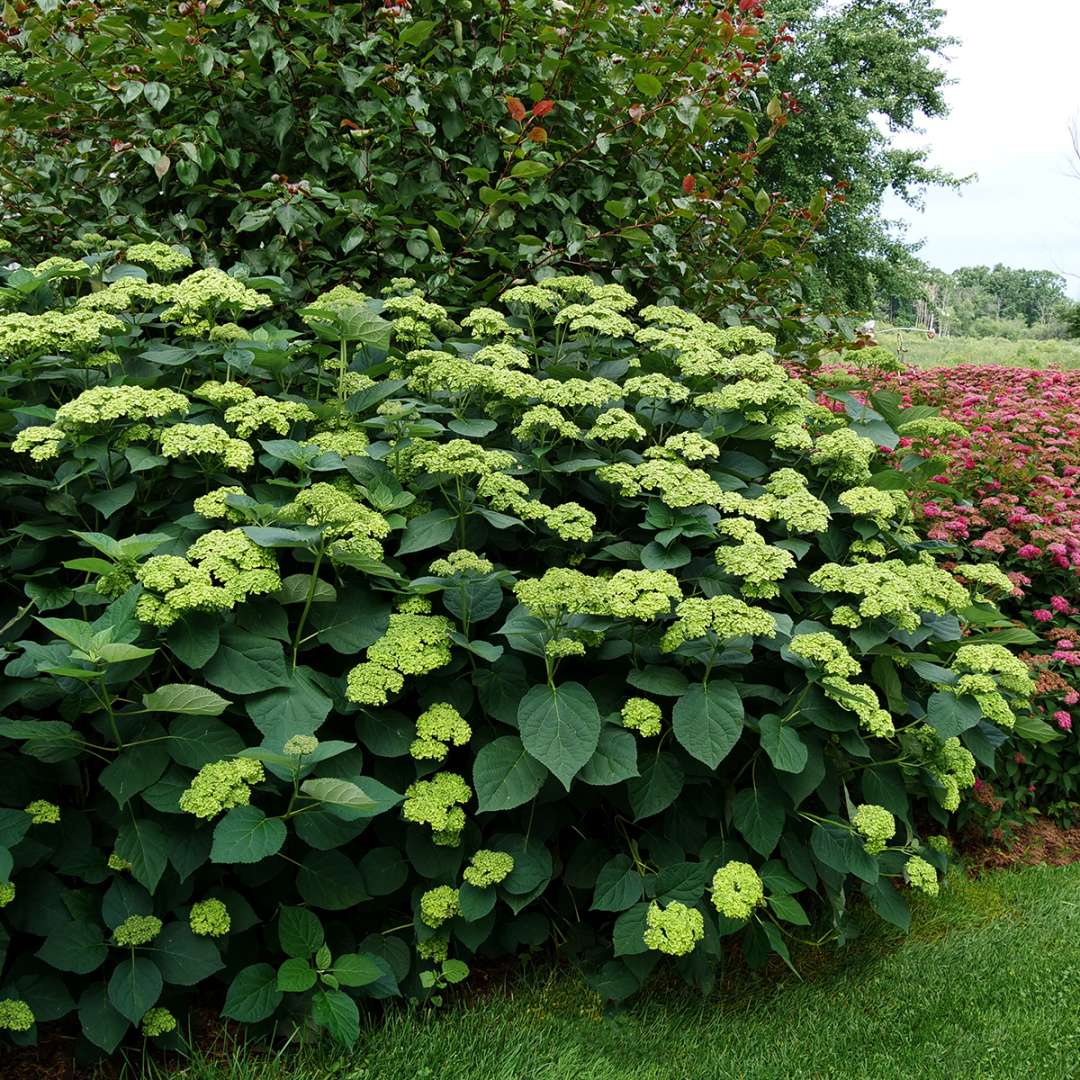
(343,650)
(459,141)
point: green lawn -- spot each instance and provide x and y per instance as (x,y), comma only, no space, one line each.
(986,986)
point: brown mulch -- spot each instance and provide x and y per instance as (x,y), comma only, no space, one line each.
(1037,844)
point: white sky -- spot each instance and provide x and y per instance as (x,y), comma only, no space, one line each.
(1017,87)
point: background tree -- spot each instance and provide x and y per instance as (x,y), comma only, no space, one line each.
(860,71)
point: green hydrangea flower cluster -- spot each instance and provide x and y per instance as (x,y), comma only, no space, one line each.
(7,893)
(438,802)
(826,651)
(863,701)
(221,785)
(487,868)
(880,506)
(15,1015)
(41,442)
(220,570)
(876,824)
(675,929)
(330,312)
(300,745)
(542,419)
(345,442)
(643,595)
(677,485)
(157,1021)
(207,442)
(484,322)
(79,331)
(102,406)
(43,813)
(844,455)
(932,427)
(266,414)
(437,729)
(213,506)
(354,528)
(128,294)
(60,266)
(951,764)
(724,617)
(159,256)
(461,561)
(200,297)
(412,645)
(137,930)
(616,426)
(737,890)
(435,948)
(414,320)
(759,565)
(223,394)
(438,905)
(120,865)
(209,918)
(894,590)
(642,716)
(921,875)
(988,580)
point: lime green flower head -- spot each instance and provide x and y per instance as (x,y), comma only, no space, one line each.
(642,715)
(42,442)
(209,292)
(137,930)
(436,948)
(301,745)
(105,405)
(876,824)
(941,844)
(207,441)
(209,918)
(570,521)
(737,890)
(488,868)
(15,1015)
(213,506)
(826,651)
(158,1021)
(415,605)
(266,414)
(921,875)
(460,562)
(115,862)
(484,322)
(844,455)
(223,394)
(221,785)
(616,425)
(439,904)
(438,728)
(7,893)
(43,813)
(168,260)
(562,647)
(437,802)
(725,616)
(413,644)
(674,930)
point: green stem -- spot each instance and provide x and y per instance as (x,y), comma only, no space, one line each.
(312,585)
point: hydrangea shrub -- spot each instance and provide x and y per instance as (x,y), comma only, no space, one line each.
(347,650)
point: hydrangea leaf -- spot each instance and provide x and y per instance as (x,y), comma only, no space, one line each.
(560,727)
(708,720)
(253,995)
(246,835)
(134,986)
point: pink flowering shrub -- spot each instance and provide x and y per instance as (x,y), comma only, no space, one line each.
(1006,490)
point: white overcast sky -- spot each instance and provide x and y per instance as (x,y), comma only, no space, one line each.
(1017,86)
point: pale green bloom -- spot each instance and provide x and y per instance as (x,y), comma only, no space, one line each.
(43,813)
(941,844)
(993,579)
(438,728)
(437,802)
(15,1015)
(7,893)
(570,521)
(863,701)
(221,785)
(137,930)
(104,405)
(876,824)
(827,652)
(932,427)
(77,331)
(266,413)
(158,1021)
(921,875)
(461,562)
(674,930)
(562,647)
(436,948)
(163,257)
(207,441)
(341,441)
(484,322)
(542,419)
(210,292)
(223,393)
(725,616)
(687,445)
(880,506)
(209,918)
(642,715)
(439,904)
(42,442)
(616,425)
(115,862)
(737,890)
(300,745)
(844,455)
(412,645)
(488,868)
